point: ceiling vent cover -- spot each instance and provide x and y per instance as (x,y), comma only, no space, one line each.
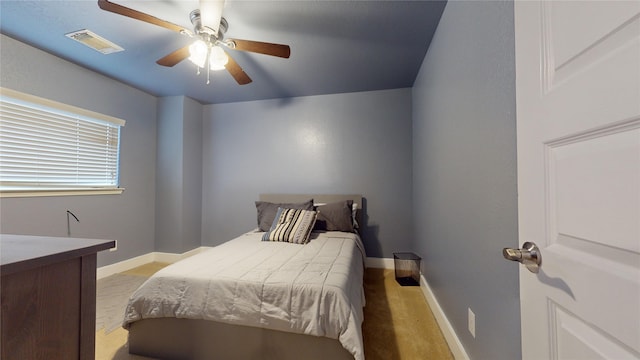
(94,41)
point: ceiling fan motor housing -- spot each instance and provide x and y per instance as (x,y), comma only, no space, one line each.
(196,20)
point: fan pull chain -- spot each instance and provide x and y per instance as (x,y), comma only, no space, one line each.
(207,63)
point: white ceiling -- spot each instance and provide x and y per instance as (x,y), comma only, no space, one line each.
(336,46)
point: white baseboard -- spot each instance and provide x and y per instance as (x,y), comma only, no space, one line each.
(129,264)
(378,263)
(171,257)
(445,326)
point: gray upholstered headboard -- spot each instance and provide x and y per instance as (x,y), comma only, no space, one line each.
(317,198)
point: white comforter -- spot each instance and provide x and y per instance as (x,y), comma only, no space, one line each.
(314,289)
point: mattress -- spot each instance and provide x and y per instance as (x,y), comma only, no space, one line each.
(313,289)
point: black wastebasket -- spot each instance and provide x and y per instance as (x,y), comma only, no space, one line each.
(407,267)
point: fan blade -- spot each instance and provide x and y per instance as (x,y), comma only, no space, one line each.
(211,13)
(135,14)
(283,51)
(175,57)
(236,71)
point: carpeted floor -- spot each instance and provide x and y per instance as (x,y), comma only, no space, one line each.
(111,299)
(398,322)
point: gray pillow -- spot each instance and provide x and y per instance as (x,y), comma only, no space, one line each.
(267,211)
(335,216)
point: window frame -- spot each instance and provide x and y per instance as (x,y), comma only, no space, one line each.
(81,114)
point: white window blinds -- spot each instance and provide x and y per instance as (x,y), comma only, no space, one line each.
(48,145)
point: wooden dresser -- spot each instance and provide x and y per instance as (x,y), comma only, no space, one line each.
(48,296)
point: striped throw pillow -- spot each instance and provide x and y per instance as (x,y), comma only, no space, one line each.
(291,225)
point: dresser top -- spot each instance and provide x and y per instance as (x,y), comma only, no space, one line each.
(22,252)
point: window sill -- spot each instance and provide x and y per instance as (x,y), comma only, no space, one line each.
(58,192)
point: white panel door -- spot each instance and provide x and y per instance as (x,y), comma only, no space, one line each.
(578,124)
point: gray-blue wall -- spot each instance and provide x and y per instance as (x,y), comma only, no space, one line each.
(342,143)
(464,174)
(179,175)
(128,217)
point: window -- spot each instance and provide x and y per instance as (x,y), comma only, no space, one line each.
(49,148)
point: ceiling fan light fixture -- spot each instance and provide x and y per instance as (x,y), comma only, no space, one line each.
(218,58)
(210,37)
(198,53)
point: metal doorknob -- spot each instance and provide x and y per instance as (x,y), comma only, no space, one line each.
(528,256)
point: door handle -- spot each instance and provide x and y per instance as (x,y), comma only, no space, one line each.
(528,256)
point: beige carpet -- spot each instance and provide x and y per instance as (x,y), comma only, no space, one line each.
(113,293)
(398,322)
(111,299)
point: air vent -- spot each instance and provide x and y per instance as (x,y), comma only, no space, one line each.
(94,41)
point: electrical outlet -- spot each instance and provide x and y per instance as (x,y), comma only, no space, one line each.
(472,323)
(115,247)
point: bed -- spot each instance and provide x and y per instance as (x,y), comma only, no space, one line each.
(258,296)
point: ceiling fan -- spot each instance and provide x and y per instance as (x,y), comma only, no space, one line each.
(209,30)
